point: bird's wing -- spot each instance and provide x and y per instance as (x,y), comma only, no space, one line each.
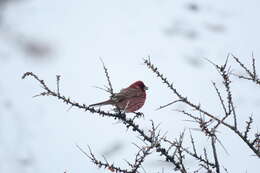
(126,93)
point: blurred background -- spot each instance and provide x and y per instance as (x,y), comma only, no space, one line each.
(67,38)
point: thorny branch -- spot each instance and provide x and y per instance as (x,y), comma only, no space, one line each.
(224,72)
(179,151)
(230,108)
(248,126)
(101,164)
(140,157)
(221,101)
(173,151)
(128,122)
(252,74)
(110,88)
(185,100)
(177,143)
(213,144)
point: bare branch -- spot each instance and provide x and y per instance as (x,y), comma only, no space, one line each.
(248,126)
(101,164)
(140,157)
(221,100)
(252,75)
(253,66)
(193,143)
(163,106)
(213,144)
(154,140)
(193,154)
(184,99)
(110,89)
(226,81)
(243,66)
(225,74)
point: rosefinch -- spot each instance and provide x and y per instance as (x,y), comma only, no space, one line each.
(128,99)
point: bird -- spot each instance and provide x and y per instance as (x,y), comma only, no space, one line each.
(129,99)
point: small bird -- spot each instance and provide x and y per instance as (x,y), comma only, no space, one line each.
(129,99)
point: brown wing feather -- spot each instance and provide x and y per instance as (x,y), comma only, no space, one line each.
(126,93)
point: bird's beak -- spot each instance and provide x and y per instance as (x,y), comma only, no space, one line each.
(145,88)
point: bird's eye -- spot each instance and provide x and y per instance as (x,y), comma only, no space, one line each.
(142,86)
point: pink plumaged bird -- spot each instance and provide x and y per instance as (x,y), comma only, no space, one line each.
(129,99)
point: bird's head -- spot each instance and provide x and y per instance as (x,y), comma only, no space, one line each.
(139,84)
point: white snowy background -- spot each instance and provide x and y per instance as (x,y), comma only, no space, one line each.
(67,38)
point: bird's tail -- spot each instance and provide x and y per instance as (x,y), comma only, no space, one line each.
(107,102)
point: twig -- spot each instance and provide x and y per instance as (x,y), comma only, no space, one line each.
(101,164)
(213,144)
(199,158)
(58,84)
(253,66)
(108,78)
(193,143)
(248,126)
(140,157)
(252,75)
(163,106)
(221,100)
(226,81)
